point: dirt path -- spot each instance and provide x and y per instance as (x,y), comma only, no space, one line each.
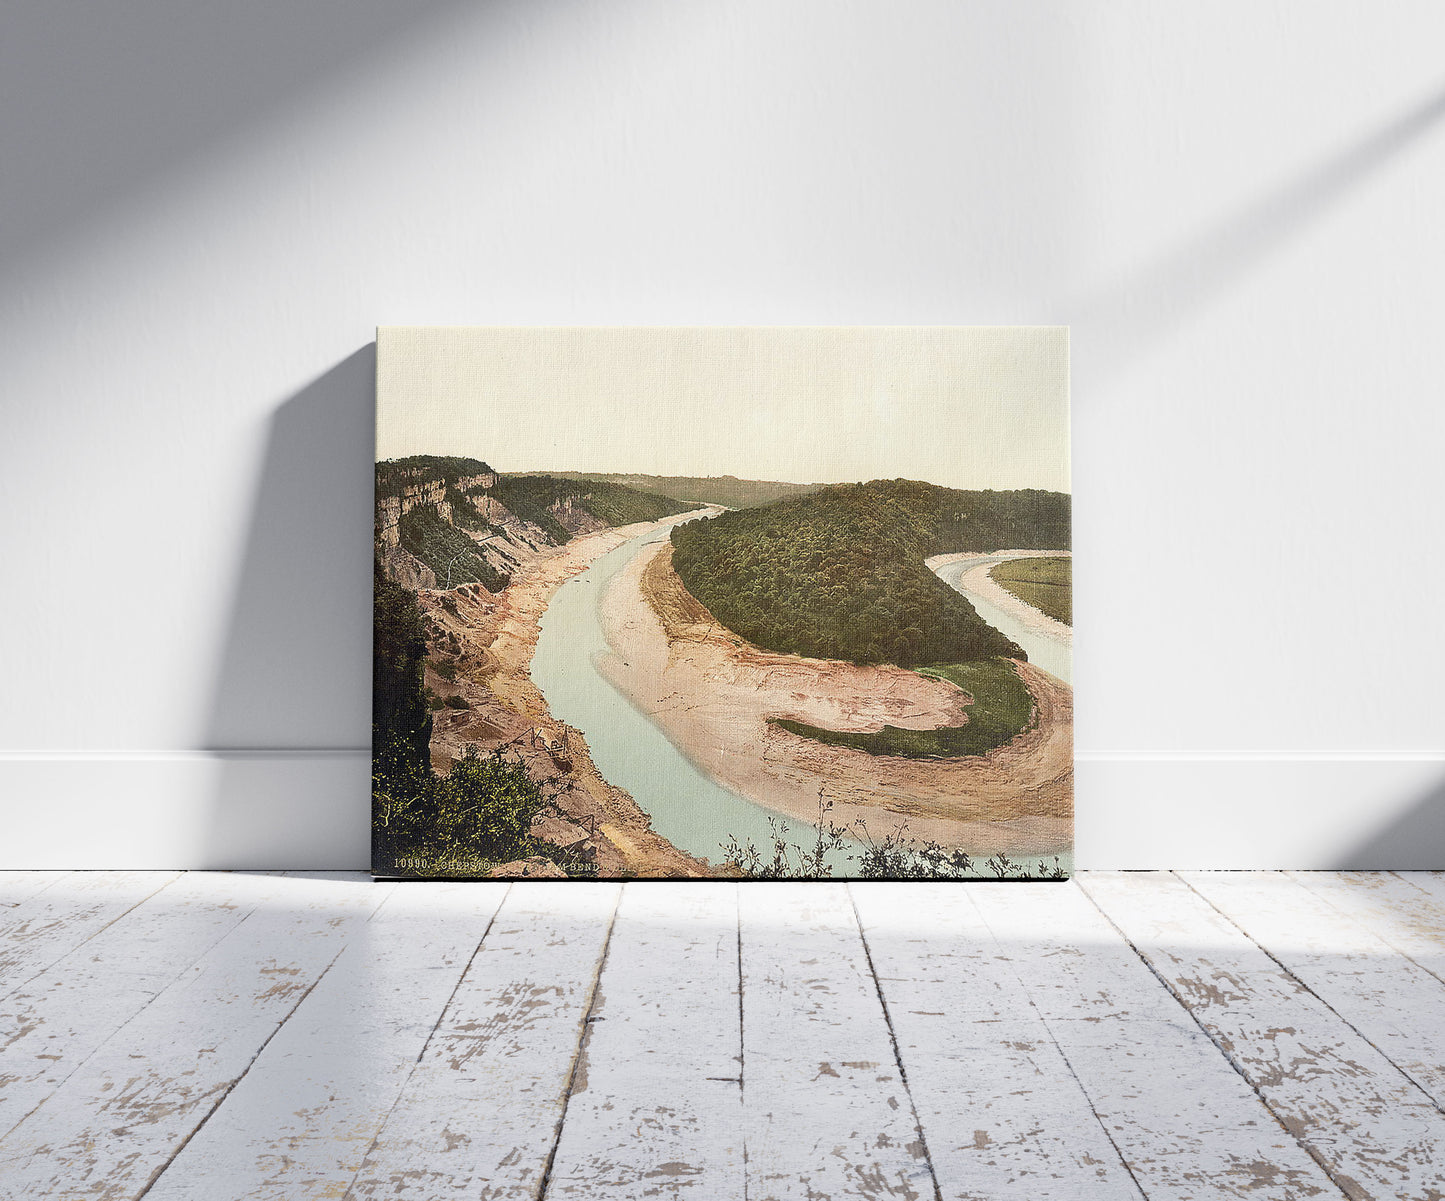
(490,640)
(713,694)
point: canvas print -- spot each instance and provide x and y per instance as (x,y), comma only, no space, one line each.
(723,603)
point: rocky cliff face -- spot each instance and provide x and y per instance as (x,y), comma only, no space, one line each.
(490,536)
(443,521)
(391,509)
(406,570)
(573,518)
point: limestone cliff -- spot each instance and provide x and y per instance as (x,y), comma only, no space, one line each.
(445,521)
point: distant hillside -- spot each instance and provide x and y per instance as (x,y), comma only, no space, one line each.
(840,573)
(443,521)
(726,490)
(537,497)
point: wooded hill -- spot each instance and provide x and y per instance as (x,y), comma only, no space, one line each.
(840,573)
(534,497)
(725,490)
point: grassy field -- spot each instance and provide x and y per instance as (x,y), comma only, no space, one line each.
(1046,584)
(1002,709)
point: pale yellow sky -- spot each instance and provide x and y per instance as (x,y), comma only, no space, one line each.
(962,406)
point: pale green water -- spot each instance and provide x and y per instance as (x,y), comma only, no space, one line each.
(687,807)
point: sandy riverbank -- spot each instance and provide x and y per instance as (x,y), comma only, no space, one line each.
(712,694)
(492,638)
(976,579)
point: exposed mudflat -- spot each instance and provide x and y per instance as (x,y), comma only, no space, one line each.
(492,638)
(712,694)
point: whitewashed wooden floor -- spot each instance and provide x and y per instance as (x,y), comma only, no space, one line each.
(1260,1035)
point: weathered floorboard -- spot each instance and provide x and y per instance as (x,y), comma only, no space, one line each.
(1385,1137)
(1403,908)
(826,1111)
(1432,884)
(48,925)
(480,1114)
(123,1114)
(1392,1002)
(1001,1112)
(16,887)
(54,1022)
(301,1120)
(1187,1125)
(1260,1035)
(655,1109)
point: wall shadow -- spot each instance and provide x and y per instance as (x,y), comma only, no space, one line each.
(105,100)
(1126,318)
(1414,842)
(290,714)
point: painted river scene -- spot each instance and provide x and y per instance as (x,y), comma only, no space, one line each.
(762,602)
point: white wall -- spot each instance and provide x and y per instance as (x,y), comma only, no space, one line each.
(206,207)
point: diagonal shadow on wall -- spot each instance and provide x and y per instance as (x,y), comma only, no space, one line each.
(289,722)
(104,102)
(1412,842)
(1125,319)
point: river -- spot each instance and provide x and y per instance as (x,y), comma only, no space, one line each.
(688,808)
(1055,655)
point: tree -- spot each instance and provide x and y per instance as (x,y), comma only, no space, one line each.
(400,720)
(493,801)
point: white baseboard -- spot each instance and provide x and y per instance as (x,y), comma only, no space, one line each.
(1362,810)
(186,809)
(310,809)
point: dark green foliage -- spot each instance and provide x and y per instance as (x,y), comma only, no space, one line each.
(400,721)
(465,515)
(393,475)
(725,490)
(1002,709)
(1004,868)
(1025,519)
(446,550)
(894,857)
(790,861)
(490,802)
(840,573)
(423,823)
(403,800)
(529,496)
(453,556)
(478,815)
(458,824)
(529,501)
